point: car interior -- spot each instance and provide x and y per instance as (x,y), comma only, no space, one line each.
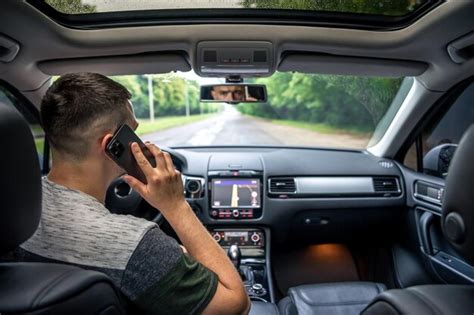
(385,228)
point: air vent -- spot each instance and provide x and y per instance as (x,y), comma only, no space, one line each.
(282,185)
(386,185)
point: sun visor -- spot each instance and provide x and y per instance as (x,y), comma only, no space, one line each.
(346,65)
(119,65)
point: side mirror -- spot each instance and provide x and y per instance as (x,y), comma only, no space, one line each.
(436,162)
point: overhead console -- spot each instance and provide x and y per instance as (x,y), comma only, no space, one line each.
(234,58)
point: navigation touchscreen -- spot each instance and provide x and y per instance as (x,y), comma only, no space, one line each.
(235,193)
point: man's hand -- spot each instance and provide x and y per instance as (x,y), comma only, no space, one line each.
(164,189)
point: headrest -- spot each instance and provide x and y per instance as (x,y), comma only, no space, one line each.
(20,180)
(458,204)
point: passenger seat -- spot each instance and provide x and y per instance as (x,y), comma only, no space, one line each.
(339,298)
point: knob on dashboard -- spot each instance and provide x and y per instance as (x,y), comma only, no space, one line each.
(257,288)
(235,213)
(255,237)
(217,237)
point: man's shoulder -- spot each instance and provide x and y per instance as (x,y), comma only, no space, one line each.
(60,202)
(76,228)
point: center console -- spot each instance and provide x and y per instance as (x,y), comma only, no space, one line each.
(248,250)
(235,196)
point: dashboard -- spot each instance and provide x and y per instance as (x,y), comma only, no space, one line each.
(262,198)
(294,191)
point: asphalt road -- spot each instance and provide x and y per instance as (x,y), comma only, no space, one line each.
(232,128)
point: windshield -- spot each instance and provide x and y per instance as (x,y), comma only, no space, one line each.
(304,110)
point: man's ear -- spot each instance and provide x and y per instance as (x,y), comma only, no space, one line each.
(105,141)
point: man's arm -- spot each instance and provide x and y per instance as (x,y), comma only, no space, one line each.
(164,191)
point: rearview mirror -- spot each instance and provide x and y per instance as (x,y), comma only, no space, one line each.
(234,93)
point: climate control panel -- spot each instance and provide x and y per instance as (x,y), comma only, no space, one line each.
(250,241)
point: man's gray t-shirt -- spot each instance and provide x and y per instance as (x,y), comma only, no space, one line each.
(148,266)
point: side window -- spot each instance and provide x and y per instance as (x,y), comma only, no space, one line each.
(435,146)
(8,98)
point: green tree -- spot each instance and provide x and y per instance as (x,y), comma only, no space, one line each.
(346,102)
(139,97)
(383,7)
(169,95)
(71,6)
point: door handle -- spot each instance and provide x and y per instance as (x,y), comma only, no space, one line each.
(425,223)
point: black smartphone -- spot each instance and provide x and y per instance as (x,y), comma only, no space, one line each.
(119,149)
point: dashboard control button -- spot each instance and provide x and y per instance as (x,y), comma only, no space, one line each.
(255,237)
(217,237)
(258,289)
(235,213)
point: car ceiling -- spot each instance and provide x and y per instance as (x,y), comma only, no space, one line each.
(47,47)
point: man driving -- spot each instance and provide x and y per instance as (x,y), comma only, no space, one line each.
(80,112)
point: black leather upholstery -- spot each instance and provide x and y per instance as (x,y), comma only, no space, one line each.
(20,194)
(330,298)
(424,300)
(458,203)
(31,288)
(262,308)
(55,289)
(287,307)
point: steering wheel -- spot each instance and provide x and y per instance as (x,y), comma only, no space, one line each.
(122,199)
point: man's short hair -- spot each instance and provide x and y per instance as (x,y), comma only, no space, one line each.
(79,106)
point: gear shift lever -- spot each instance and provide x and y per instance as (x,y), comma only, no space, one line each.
(234,255)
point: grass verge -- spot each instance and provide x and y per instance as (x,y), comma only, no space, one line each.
(146,126)
(320,127)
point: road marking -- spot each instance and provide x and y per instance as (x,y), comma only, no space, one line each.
(207,136)
(235,196)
